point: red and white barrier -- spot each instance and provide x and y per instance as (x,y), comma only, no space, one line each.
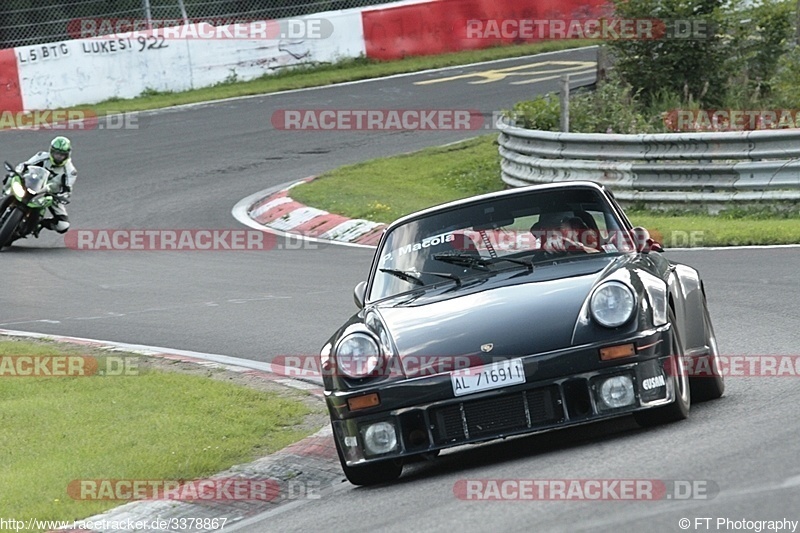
(90,70)
(438,27)
(10,92)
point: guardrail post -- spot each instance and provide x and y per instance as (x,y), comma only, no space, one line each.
(563,98)
(148,15)
(184,15)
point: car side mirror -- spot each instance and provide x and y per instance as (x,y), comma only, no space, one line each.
(359,293)
(643,242)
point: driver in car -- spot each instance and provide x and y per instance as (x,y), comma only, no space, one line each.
(572,235)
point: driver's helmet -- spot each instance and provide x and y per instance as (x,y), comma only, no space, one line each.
(60,149)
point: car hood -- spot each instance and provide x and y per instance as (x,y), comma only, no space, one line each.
(516,320)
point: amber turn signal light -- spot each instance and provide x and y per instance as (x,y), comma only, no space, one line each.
(362,402)
(616,352)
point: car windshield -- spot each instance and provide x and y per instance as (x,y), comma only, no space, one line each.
(481,238)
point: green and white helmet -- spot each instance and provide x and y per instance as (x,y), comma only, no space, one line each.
(60,149)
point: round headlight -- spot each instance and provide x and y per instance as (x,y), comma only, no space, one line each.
(18,189)
(612,304)
(358,355)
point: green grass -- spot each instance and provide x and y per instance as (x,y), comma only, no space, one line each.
(155,425)
(385,189)
(681,231)
(313,76)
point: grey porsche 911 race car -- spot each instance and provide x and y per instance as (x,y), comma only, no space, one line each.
(515,312)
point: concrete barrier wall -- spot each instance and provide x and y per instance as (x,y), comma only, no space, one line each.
(85,71)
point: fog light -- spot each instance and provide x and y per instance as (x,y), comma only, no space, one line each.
(617,392)
(380,438)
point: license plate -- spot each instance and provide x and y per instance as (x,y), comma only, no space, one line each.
(487,377)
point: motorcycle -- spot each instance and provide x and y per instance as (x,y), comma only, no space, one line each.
(25,199)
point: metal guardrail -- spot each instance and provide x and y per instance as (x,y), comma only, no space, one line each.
(748,167)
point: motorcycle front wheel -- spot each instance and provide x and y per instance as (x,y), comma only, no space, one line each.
(8,224)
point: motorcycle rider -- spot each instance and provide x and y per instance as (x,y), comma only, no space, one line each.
(58,160)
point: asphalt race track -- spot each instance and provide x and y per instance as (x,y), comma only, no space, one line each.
(186,168)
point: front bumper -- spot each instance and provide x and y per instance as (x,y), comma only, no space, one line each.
(561,388)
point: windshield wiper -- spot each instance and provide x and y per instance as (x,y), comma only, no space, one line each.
(462,260)
(478,262)
(412,277)
(445,275)
(523,262)
(405,276)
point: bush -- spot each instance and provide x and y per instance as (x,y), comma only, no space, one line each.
(747,62)
(612,108)
(541,113)
(757,38)
(730,67)
(786,82)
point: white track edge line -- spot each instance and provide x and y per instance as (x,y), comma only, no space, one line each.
(144,349)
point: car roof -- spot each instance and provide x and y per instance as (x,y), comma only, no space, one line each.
(500,194)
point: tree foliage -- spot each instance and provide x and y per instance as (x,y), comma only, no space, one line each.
(694,67)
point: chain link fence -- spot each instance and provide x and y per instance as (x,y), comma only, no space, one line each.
(29,22)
